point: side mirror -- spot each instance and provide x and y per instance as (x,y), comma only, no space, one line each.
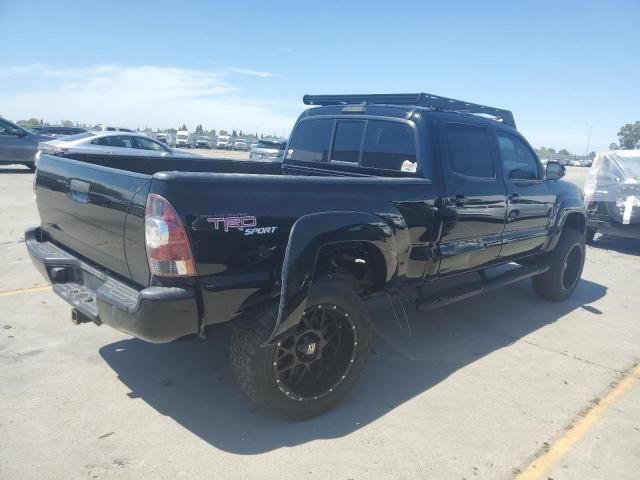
(18,132)
(555,171)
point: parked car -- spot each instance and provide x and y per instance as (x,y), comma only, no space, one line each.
(57,131)
(612,195)
(378,195)
(18,145)
(183,139)
(272,150)
(109,143)
(223,142)
(240,145)
(202,142)
(163,137)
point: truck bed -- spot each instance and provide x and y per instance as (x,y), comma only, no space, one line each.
(151,165)
(97,213)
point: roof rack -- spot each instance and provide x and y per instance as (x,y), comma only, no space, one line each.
(417,99)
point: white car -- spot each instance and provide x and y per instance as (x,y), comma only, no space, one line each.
(240,145)
(222,142)
(110,143)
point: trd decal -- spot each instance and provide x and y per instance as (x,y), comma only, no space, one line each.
(259,231)
(247,224)
(239,223)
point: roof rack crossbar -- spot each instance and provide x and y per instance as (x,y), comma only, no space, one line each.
(417,99)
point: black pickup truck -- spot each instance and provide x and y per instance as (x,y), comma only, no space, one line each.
(413,196)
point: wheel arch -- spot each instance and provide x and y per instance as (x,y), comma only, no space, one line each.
(318,239)
(570,213)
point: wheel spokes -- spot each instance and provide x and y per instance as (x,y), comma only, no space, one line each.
(316,356)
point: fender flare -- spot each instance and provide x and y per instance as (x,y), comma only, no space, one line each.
(308,235)
(565,207)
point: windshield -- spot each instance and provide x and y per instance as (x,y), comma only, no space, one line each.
(78,136)
(181,137)
(271,145)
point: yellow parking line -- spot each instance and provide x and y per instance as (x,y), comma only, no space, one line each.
(543,464)
(19,291)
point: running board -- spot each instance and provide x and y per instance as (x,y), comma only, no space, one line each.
(462,292)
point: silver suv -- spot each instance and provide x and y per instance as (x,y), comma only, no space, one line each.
(270,150)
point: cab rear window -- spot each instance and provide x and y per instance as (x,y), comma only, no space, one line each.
(310,141)
(372,144)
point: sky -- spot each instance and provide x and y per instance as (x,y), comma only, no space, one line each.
(563,67)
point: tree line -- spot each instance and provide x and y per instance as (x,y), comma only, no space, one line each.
(550,152)
(199,130)
(628,137)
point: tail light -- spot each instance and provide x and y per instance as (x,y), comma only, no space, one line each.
(52,149)
(168,249)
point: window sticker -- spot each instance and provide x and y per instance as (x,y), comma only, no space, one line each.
(409,166)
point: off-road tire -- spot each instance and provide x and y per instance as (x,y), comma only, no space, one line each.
(565,267)
(252,361)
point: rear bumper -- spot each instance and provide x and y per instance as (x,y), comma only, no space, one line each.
(154,314)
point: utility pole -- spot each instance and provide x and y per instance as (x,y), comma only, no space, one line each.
(588,142)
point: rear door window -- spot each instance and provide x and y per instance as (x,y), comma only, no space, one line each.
(389,146)
(142,143)
(347,141)
(116,141)
(310,141)
(469,150)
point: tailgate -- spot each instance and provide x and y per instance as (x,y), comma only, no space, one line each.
(95,211)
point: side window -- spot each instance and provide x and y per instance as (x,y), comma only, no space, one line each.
(518,161)
(116,141)
(102,141)
(5,128)
(347,141)
(469,150)
(389,146)
(310,141)
(142,143)
(128,141)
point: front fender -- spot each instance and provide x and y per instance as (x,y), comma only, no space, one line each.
(308,235)
(564,207)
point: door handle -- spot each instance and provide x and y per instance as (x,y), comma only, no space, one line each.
(79,190)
